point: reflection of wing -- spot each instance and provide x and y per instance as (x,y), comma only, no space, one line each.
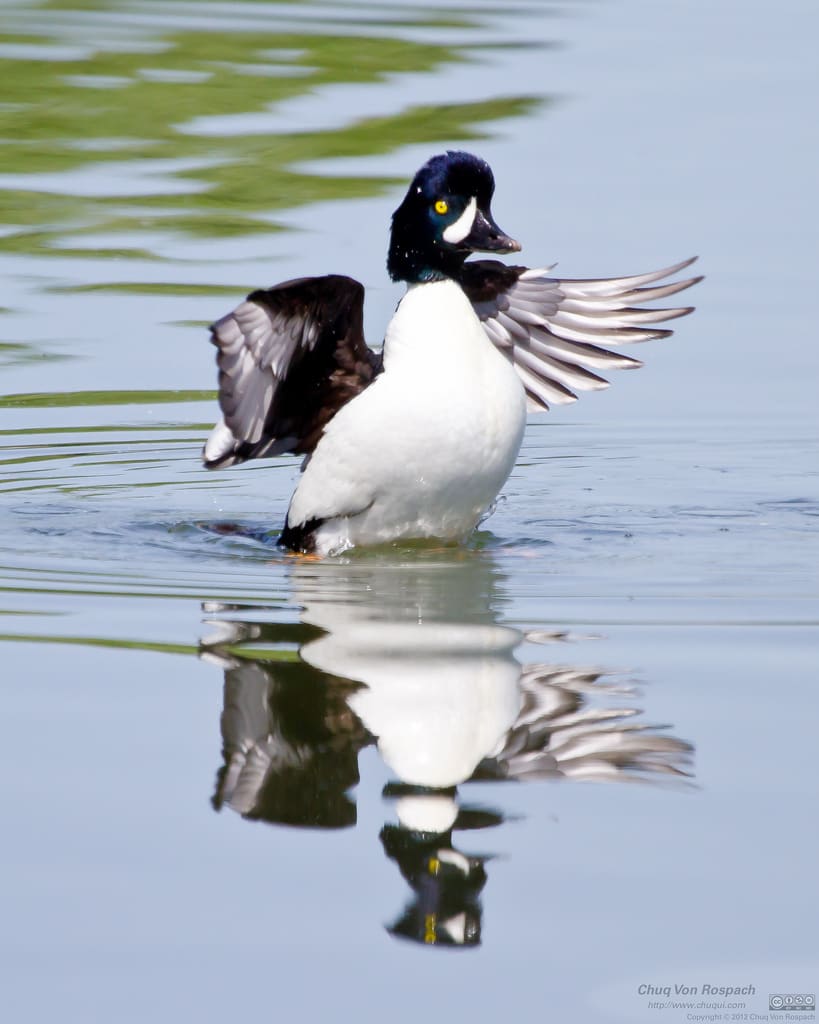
(288,359)
(290,745)
(251,750)
(559,735)
(557,332)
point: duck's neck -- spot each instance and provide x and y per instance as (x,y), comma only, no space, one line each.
(418,263)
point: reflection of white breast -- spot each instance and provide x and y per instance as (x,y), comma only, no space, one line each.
(438,697)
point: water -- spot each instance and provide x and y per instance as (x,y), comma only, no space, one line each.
(218,760)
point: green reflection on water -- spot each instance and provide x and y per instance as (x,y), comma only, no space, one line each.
(57,399)
(91,641)
(13,353)
(261,654)
(125,87)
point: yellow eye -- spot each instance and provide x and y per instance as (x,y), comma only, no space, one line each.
(441,206)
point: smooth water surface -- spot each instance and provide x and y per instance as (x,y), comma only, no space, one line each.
(241,784)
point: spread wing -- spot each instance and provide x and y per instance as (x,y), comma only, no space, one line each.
(289,358)
(557,332)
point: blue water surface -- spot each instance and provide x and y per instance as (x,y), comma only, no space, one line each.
(550,774)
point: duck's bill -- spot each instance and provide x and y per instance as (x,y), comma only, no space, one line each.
(486,236)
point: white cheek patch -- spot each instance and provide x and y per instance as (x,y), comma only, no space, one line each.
(459,229)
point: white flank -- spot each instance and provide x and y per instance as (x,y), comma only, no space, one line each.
(459,229)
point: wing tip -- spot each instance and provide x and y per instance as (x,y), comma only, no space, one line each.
(682,311)
(675,268)
(220,449)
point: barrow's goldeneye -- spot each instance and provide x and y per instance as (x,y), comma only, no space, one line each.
(416,440)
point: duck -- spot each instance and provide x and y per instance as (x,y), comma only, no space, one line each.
(415,440)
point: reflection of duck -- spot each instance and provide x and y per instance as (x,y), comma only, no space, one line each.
(417,441)
(410,657)
(444,695)
(441,685)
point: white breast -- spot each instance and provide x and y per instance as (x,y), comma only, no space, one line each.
(426,448)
